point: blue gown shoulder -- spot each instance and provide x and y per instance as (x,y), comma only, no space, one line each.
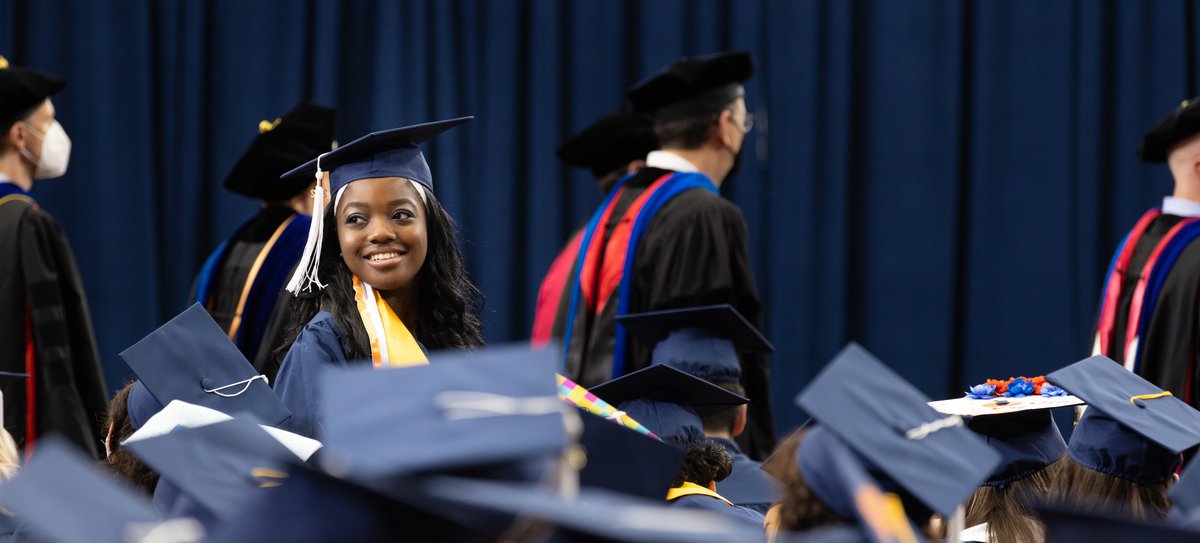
(320,344)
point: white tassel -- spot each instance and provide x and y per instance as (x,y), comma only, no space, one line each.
(310,260)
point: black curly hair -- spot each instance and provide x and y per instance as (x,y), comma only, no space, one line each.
(450,302)
(704,462)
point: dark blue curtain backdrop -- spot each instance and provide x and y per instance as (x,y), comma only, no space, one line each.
(943,181)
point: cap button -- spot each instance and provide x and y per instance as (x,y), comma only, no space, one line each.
(1138,402)
(206,383)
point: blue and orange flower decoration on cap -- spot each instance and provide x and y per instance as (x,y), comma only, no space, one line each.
(1014,387)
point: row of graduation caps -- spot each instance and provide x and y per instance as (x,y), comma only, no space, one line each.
(448,449)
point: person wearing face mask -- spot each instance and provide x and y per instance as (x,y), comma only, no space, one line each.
(665,238)
(45,328)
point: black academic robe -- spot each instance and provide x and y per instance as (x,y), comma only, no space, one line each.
(1168,345)
(693,253)
(45,330)
(222,282)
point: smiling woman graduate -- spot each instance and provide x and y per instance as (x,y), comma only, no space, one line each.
(390,283)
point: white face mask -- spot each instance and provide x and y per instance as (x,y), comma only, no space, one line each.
(56,152)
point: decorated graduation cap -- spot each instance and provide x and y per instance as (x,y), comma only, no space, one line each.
(493,406)
(887,421)
(1021,429)
(668,401)
(386,154)
(191,359)
(610,143)
(65,498)
(691,81)
(22,90)
(218,466)
(1132,429)
(1181,124)
(702,341)
(303,132)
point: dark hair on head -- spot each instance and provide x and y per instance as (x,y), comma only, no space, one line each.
(723,421)
(703,462)
(9,121)
(801,509)
(688,124)
(1006,509)
(1088,490)
(449,312)
(120,461)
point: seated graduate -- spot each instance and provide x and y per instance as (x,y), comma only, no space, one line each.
(119,426)
(61,495)
(670,403)
(1127,445)
(704,342)
(241,283)
(381,278)
(1020,427)
(879,456)
(191,359)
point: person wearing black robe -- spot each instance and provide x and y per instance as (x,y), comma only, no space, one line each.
(241,283)
(1150,307)
(665,238)
(45,329)
(611,147)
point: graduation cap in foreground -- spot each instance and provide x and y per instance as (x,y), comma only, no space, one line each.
(701,341)
(623,460)
(610,143)
(191,359)
(386,154)
(667,401)
(887,421)
(1065,525)
(691,79)
(219,466)
(1181,124)
(606,515)
(1022,430)
(64,498)
(1132,429)
(22,89)
(302,133)
(465,409)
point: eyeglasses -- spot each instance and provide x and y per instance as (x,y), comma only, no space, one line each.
(747,123)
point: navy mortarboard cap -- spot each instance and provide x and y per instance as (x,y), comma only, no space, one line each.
(64,498)
(1027,441)
(610,143)
(1065,525)
(1181,124)
(218,466)
(886,420)
(623,460)
(191,359)
(607,515)
(690,78)
(305,131)
(466,409)
(22,89)
(667,401)
(1132,429)
(390,153)
(386,154)
(701,341)
(838,476)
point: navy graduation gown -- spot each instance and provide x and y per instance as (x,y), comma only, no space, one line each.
(748,485)
(321,344)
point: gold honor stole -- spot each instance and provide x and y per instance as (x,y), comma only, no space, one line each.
(693,489)
(392,345)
